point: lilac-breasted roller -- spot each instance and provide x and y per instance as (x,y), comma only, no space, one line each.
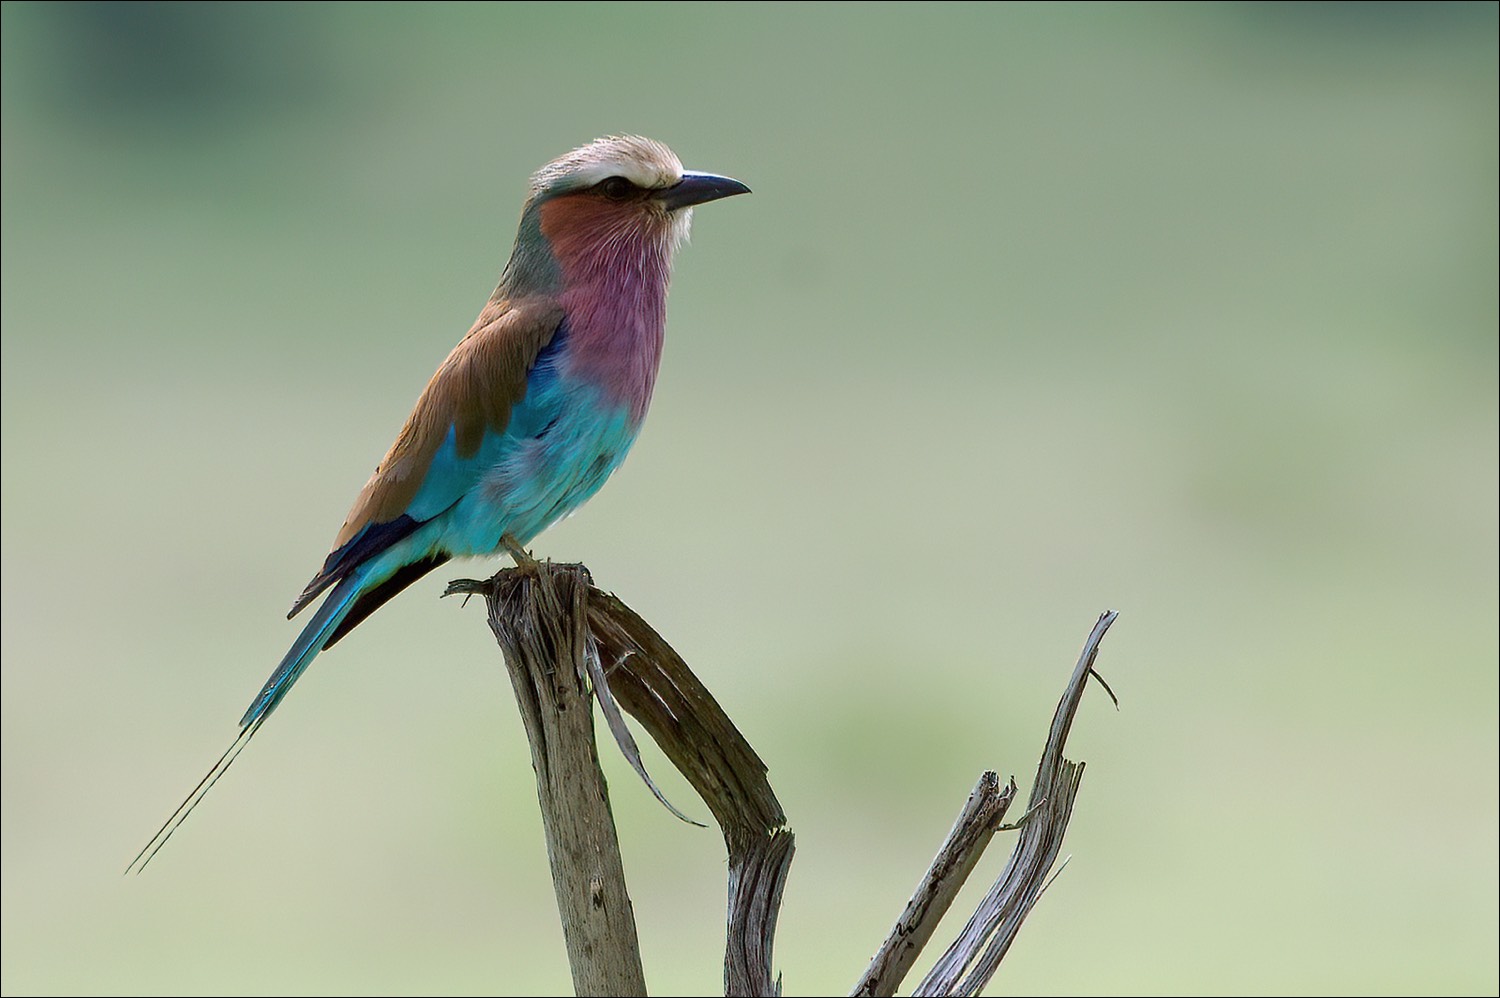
(530,413)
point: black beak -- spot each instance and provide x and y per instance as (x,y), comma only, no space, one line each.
(699,188)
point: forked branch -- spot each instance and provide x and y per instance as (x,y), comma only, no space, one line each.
(565,640)
(558,630)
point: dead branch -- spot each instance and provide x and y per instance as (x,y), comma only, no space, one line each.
(564,639)
(641,672)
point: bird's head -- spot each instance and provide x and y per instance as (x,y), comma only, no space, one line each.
(606,203)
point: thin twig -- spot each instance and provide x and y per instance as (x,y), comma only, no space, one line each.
(976,825)
(974,956)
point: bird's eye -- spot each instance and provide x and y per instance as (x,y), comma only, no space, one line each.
(617,189)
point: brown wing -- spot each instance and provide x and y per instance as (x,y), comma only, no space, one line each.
(472,393)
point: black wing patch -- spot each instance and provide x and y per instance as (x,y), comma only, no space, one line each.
(373,600)
(364,545)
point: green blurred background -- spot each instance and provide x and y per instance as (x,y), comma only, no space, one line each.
(1184,310)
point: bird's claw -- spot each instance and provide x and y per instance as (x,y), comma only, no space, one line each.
(522,557)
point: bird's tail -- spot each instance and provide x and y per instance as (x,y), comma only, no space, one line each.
(313,639)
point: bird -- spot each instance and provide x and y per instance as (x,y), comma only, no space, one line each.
(529,414)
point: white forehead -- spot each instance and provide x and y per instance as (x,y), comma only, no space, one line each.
(644,162)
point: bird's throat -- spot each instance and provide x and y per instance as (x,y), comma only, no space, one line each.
(615,262)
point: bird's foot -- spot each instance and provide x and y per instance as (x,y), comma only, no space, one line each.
(522,557)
